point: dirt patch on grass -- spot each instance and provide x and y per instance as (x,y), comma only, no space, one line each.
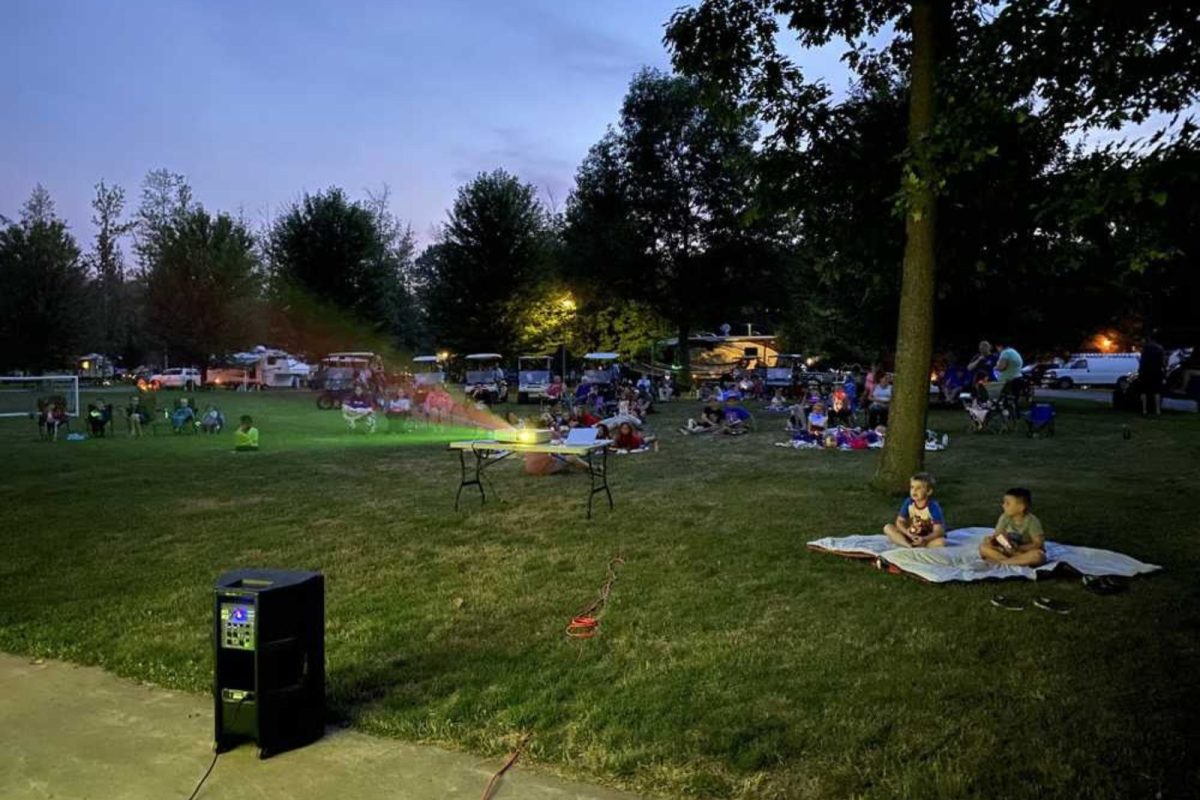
(203,504)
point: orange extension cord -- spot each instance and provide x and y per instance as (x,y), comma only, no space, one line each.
(512,759)
(586,623)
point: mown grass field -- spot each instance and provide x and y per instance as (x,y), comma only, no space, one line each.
(731,662)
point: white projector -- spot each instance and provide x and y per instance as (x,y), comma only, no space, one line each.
(523,435)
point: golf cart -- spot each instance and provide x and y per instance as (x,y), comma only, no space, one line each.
(782,374)
(485,378)
(428,371)
(533,377)
(600,368)
(338,373)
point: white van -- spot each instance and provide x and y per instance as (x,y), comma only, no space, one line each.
(1093,369)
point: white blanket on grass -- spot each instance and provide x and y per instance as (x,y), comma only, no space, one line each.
(959,560)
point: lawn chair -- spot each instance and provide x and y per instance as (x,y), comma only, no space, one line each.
(143,413)
(100,418)
(1039,419)
(52,416)
(183,415)
(988,416)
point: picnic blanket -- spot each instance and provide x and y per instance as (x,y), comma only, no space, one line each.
(959,560)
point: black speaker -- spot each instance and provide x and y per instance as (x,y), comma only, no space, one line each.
(269,659)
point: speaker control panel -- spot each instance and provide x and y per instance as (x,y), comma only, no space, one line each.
(237,626)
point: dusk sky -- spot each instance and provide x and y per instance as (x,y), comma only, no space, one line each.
(258,102)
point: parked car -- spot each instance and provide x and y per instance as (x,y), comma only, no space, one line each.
(1036,373)
(1092,369)
(177,378)
(1127,394)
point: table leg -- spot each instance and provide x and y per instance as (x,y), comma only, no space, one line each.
(476,481)
(603,475)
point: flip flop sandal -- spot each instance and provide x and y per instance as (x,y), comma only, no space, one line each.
(1008,603)
(1105,584)
(1050,604)
(890,569)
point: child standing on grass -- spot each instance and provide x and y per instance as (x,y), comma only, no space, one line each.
(920,522)
(246,436)
(1018,539)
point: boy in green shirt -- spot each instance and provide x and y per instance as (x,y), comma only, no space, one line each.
(246,436)
(1018,539)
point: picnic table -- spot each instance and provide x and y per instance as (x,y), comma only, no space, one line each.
(489,452)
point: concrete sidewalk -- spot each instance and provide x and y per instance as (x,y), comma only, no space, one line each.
(76,733)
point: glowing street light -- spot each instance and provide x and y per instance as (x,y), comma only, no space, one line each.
(567,303)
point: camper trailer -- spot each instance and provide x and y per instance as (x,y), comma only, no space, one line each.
(533,377)
(261,368)
(95,367)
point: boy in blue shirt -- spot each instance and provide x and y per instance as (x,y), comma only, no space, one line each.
(920,522)
(737,418)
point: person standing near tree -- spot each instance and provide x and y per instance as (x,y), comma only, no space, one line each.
(1151,370)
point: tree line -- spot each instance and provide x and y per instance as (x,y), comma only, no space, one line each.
(732,189)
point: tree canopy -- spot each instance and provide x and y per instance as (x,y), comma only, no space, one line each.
(495,246)
(43,312)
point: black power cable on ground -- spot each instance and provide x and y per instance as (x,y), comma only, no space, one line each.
(217,755)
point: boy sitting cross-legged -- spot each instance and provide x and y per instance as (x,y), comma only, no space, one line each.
(920,522)
(1018,539)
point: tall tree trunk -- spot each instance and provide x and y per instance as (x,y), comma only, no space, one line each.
(904,450)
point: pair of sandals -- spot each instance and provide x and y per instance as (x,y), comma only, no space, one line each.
(1097,584)
(1044,603)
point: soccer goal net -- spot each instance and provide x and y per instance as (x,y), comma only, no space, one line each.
(20,397)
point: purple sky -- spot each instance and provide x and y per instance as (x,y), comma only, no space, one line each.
(257,102)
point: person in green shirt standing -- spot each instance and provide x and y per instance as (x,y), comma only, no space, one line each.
(1018,539)
(246,436)
(1008,369)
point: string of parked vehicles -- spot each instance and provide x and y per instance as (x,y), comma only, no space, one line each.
(487,376)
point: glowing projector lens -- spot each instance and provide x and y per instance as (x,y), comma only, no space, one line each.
(523,435)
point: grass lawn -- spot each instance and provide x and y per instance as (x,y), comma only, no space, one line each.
(731,663)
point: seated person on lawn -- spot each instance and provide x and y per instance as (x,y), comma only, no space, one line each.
(245,438)
(920,522)
(139,412)
(359,408)
(737,419)
(213,420)
(183,414)
(708,421)
(1018,539)
(99,415)
(53,416)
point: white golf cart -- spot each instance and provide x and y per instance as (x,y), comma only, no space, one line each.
(600,368)
(783,373)
(533,377)
(485,378)
(428,371)
(338,372)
